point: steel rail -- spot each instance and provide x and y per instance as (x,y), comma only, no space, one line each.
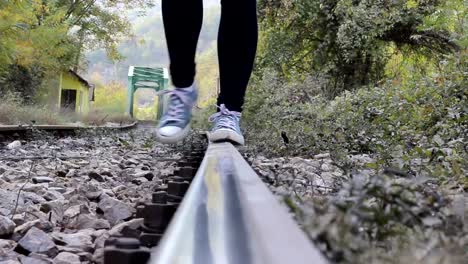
(14,128)
(228,215)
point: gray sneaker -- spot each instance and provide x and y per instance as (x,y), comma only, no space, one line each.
(226,126)
(175,122)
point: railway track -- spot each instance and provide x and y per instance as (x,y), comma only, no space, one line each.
(213,209)
(23,131)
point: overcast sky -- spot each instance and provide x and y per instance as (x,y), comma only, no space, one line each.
(133,16)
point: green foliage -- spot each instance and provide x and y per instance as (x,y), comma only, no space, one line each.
(43,37)
(418,126)
(207,77)
(110,98)
(386,219)
(348,43)
(32,35)
(382,86)
(147,113)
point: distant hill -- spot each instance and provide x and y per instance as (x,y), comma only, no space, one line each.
(148,48)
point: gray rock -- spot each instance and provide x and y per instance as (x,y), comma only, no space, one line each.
(19,219)
(71,173)
(33,197)
(98,256)
(325,167)
(53,195)
(146,174)
(325,179)
(281,191)
(322,156)
(139,181)
(71,165)
(38,223)
(28,214)
(40,256)
(10,261)
(69,249)
(92,191)
(85,256)
(96,176)
(73,211)
(6,246)
(4,211)
(101,240)
(41,179)
(108,192)
(7,226)
(131,161)
(85,221)
(132,224)
(119,189)
(361,159)
(71,214)
(35,188)
(38,241)
(107,172)
(114,210)
(8,199)
(41,171)
(67,258)
(98,233)
(304,163)
(312,177)
(34,260)
(56,208)
(337,173)
(77,199)
(14,145)
(80,240)
(61,173)
(12,255)
(58,189)
(15,175)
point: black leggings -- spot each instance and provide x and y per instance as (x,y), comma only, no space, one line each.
(237,44)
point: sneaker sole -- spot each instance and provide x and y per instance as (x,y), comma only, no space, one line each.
(175,138)
(226,135)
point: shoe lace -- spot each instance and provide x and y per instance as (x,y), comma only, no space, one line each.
(178,100)
(225,118)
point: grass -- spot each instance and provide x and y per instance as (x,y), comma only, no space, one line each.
(14,112)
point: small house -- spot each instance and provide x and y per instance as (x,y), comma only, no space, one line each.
(74,92)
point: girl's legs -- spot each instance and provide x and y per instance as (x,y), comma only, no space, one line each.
(182,24)
(237,45)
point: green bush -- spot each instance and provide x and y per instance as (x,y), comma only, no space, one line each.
(110,98)
(419,125)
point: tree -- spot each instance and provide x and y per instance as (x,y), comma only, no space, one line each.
(32,44)
(50,35)
(347,41)
(100,24)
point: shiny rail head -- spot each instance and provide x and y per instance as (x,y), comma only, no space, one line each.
(229,216)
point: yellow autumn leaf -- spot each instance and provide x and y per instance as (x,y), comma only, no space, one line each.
(411,4)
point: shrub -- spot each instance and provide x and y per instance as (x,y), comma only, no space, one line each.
(419,126)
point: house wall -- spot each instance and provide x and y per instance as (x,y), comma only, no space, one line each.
(70,82)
